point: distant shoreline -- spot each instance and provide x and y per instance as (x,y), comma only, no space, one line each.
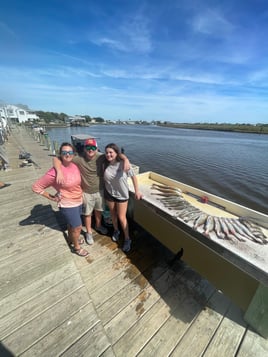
(238,128)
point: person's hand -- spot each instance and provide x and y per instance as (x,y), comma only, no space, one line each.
(56,197)
(138,196)
(59,177)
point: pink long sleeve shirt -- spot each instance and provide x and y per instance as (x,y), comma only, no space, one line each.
(70,191)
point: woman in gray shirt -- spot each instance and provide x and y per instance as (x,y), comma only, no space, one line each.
(116,192)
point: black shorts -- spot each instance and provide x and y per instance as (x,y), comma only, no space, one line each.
(110,198)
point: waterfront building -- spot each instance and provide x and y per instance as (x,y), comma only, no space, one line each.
(17,114)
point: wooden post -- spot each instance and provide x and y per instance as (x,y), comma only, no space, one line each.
(55,148)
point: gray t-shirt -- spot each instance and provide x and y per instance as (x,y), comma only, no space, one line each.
(115,180)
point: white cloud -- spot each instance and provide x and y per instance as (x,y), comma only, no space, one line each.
(132,35)
(212,22)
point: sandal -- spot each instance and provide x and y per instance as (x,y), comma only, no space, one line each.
(81,252)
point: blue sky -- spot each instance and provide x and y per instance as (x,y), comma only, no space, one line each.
(170,60)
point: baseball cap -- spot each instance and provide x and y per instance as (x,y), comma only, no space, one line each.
(91,142)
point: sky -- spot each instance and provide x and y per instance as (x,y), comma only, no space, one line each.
(183,61)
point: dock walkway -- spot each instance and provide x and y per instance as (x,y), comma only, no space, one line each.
(54,303)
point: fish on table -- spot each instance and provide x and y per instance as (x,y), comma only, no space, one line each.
(186,211)
(217,228)
(256,230)
(166,190)
(209,225)
(192,216)
(172,199)
(200,220)
(234,229)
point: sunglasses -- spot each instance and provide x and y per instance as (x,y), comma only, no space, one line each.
(64,153)
(93,148)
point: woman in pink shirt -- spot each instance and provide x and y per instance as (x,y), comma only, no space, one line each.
(68,195)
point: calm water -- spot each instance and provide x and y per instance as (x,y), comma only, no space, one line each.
(230,165)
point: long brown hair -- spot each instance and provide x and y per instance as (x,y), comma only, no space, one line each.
(115,148)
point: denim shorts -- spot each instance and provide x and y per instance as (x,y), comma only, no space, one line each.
(72,215)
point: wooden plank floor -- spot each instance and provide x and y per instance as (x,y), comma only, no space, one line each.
(54,303)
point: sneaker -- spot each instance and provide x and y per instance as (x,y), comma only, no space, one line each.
(101,230)
(116,235)
(127,245)
(89,238)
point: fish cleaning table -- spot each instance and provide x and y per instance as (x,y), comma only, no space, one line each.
(237,268)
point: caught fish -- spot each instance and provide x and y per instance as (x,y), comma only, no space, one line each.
(187,211)
(174,202)
(172,199)
(200,220)
(192,216)
(177,207)
(243,230)
(167,194)
(232,231)
(245,233)
(183,211)
(209,225)
(165,188)
(229,226)
(217,228)
(256,230)
(224,227)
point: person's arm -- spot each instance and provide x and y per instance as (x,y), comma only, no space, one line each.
(43,183)
(57,165)
(126,162)
(55,198)
(138,194)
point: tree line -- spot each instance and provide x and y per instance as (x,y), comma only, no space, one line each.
(49,117)
(244,128)
(260,128)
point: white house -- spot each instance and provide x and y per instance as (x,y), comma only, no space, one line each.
(14,113)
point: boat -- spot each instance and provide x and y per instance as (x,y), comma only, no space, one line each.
(78,142)
(236,265)
(39,129)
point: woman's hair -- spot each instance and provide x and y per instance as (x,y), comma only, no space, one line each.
(115,148)
(66,144)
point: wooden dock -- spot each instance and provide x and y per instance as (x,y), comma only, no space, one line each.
(54,303)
